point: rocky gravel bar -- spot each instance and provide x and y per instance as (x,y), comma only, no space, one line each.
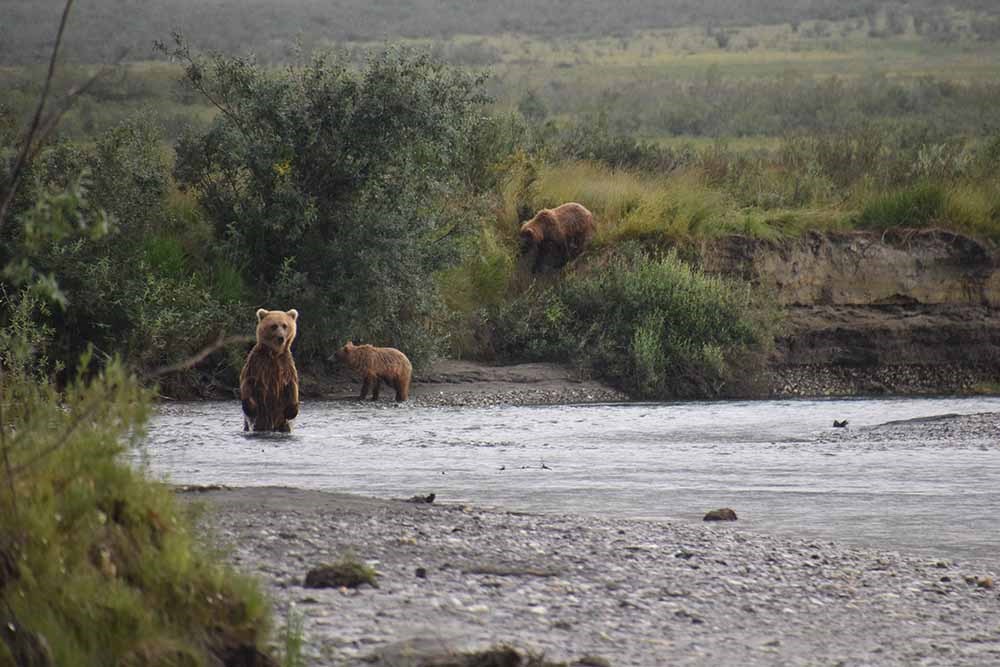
(584,590)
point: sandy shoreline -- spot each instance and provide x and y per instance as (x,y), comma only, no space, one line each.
(625,592)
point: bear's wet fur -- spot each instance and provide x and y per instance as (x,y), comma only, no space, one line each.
(375,365)
(269,382)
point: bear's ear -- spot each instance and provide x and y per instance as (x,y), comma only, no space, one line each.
(294,314)
(260,314)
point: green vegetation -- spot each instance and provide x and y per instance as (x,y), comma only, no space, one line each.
(334,188)
(146,284)
(293,640)
(98,565)
(379,191)
(650,324)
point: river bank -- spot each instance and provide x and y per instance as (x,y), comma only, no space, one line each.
(597,591)
(451,382)
(582,589)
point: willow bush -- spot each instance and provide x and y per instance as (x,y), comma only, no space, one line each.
(650,324)
(336,190)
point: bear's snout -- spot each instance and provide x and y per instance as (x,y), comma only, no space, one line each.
(527,243)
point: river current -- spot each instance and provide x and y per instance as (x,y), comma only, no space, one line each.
(780,464)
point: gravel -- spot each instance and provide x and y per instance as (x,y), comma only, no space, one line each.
(625,592)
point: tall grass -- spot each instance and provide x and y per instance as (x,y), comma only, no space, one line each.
(919,206)
(968,206)
(684,205)
(628,205)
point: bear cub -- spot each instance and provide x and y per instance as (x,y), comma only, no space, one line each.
(269,382)
(375,365)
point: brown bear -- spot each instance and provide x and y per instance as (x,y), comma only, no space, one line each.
(375,364)
(556,235)
(269,382)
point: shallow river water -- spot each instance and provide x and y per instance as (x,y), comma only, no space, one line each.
(779,464)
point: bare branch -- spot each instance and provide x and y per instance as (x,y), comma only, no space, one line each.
(4,449)
(52,120)
(23,153)
(223,341)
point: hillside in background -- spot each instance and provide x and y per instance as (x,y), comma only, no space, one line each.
(101,29)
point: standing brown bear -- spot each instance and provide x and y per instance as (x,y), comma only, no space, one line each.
(269,382)
(556,235)
(375,364)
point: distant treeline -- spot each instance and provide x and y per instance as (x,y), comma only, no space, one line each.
(273,30)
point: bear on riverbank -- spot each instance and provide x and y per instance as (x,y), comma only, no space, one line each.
(375,365)
(556,235)
(269,382)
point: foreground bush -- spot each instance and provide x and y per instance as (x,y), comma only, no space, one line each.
(98,565)
(651,325)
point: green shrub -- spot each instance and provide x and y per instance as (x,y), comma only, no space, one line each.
(98,565)
(144,283)
(335,190)
(918,206)
(652,325)
(166,257)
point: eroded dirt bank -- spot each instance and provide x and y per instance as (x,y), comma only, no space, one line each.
(903,312)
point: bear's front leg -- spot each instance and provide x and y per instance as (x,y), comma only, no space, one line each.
(376,388)
(291,401)
(365,386)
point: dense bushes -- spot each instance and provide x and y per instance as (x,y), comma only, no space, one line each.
(383,203)
(336,191)
(650,324)
(145,283)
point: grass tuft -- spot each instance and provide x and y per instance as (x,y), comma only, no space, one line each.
(919,206)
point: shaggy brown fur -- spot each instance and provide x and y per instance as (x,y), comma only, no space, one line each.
(556,235)
(269,382)
(375,364)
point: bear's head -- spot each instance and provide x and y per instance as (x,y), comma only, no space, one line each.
(532,232)
(276,329)
(344,353)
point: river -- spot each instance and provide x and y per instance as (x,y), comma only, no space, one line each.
(779,464)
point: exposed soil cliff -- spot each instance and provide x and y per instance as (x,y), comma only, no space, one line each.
(903,311)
